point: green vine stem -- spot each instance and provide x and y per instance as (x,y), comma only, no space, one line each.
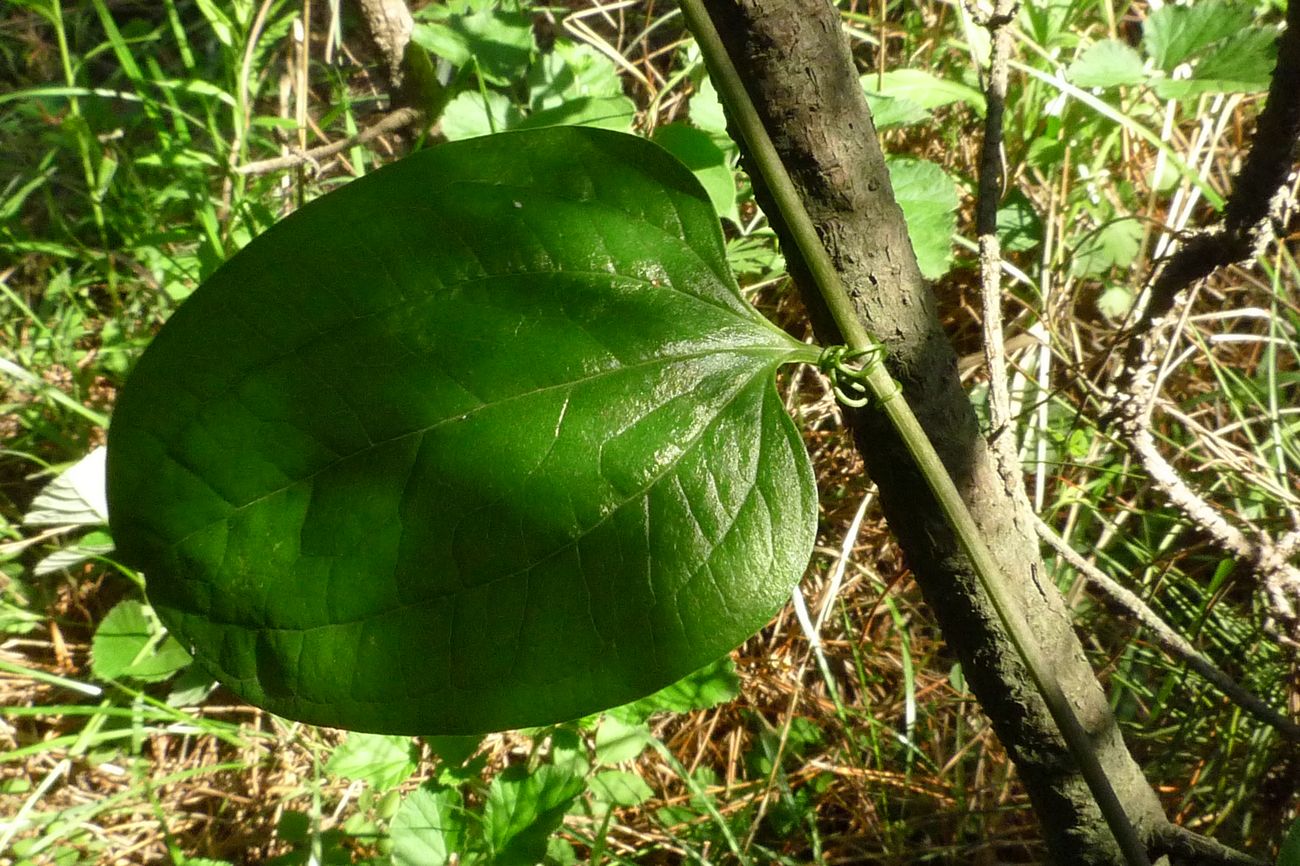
(885,391)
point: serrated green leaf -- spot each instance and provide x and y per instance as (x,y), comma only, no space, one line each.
(620,788)
(1175,34)
(429,828)
(571,71)
(496,43)
(523,809)
(380,760)
(1115,301)
(1113,245)
(928,197)
(1242,63)
(1108,63)
(1019,227)
(618,740)
(706,113)
(756,253)
(569,750)
(90,545)
(485,439)
(127,644)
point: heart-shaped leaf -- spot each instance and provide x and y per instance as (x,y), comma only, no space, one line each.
(486,439)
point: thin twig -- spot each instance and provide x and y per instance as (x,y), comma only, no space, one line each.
(1002,437)
(1169,640)
(1186,846)
(391,122)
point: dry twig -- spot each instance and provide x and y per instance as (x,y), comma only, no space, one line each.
(1255,205)
(391,122)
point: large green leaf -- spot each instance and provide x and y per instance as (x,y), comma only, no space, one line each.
(485,439)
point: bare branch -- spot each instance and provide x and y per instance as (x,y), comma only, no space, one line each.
(1184,846)
(992,168)
(1255,204)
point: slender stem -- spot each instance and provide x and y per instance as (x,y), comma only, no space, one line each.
(889,397)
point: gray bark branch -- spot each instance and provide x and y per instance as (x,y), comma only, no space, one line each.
(792,54)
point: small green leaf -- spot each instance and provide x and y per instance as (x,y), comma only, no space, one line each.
(706,113)
(1115,301)
(707,687)
(74,498)
(128,644)
(618,741)
(569,750)
(453,750)
(559,853)
(887,111)
(496,43)
(571,71)
(380,760)
(1242,63)
(696,150)
(620,788)
(923,89)
(472,114)
(429,828)
(293,827)
(1108,63)
(1114,245)
(90,545)
(1019,227)
(523,809)
(928,197)
(488,438)
(756,253)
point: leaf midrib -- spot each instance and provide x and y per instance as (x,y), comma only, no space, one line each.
(640,493)
(778,355)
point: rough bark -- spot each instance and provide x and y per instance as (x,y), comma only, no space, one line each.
(799,74)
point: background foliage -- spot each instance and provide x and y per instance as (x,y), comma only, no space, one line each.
(842,731)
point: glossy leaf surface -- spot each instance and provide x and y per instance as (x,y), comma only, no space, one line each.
(486,439)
